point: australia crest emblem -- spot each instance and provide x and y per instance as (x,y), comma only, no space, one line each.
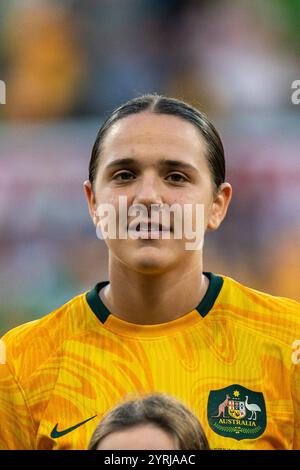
(237,412)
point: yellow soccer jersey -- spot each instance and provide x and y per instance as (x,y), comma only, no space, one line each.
(230,361)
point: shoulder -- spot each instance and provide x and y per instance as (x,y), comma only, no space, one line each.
(260,300)
(29,345)
(270,314)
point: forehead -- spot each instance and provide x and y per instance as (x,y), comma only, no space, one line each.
(140,435)
(150,135)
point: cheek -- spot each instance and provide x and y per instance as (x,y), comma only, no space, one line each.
(105,195)
(108,194)
(192,198)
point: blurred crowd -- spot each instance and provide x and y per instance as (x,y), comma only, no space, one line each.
(67,63)
(81,57)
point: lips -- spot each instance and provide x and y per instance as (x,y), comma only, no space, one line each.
(147,226)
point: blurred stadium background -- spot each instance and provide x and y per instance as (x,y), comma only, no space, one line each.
(67,63)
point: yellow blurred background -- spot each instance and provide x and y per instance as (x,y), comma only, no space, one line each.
(67,63)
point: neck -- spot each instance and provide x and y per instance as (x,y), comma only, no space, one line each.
(152,299)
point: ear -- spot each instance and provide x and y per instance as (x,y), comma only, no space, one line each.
(219,207)
(91,200)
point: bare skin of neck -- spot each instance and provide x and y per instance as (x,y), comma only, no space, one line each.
(153,299)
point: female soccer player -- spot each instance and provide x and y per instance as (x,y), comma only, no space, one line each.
(160,324)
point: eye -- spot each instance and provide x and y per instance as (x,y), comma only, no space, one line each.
(123,175)
(176,178)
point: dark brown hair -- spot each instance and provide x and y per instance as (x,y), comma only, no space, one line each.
(159,409)
(159,104)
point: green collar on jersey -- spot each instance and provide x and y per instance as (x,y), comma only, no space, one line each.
(215,285)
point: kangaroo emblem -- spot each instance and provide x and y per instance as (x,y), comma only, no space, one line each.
(222,407)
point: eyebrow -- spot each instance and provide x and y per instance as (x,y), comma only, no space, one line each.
(121,162)
(162,163)
(177,164)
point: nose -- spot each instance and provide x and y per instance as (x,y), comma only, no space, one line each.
(148,191)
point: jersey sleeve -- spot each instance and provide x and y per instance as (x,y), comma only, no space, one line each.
(16,425)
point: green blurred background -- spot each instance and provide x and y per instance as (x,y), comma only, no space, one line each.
(66,64)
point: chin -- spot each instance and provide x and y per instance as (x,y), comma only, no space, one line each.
(150,260)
